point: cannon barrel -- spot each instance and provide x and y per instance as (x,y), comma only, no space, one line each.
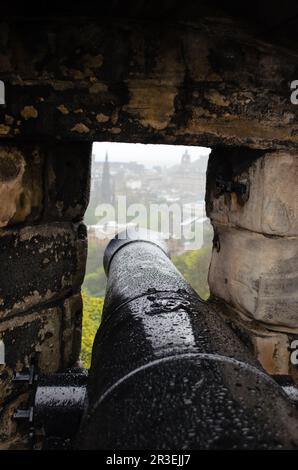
(168,373)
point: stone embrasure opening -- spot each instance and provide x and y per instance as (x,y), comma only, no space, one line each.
(157,187)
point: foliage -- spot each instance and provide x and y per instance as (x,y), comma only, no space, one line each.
(90,217)
(95,256)
(91,321)
(95,282)
(194,266)
(95,279)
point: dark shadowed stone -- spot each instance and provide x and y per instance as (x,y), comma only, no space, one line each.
(35,337)
(10,429)
(21,183)
(39,264)
(212,84)
(72,329)
(67,180)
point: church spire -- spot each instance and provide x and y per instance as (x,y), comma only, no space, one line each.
(185,160)
(106,187)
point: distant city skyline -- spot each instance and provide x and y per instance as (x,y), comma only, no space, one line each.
(147,154)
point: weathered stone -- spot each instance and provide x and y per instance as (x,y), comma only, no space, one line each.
(21,183)
(252,201)
(272,351)
(72,329)
(82,251)
(271,203)
(29,112)
(16,442)
(6,384)
(9,428)
(257,275)
(212,84)
(34,336)
(67,180)
(271,348)
(39,264)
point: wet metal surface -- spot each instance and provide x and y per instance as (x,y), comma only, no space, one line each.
(58,406)
(167,373)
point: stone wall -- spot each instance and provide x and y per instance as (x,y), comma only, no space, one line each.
(44,192)
(209,83)
(252,201)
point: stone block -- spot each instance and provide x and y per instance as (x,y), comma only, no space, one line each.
(72,329)
(272,351)
(257,275)
(11,431)
(271,179)
(270,347)
(21,184)
(40,264)
(67,180)
(33,337)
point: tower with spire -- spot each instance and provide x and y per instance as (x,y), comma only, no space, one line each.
(106,183)
(185,160)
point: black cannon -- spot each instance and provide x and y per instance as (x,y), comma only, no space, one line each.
(168,373)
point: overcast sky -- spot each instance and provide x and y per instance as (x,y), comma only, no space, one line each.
(149,155)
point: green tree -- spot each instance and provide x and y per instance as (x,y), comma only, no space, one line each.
(95,279)
(95,282)
(91,320)
(194,266)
